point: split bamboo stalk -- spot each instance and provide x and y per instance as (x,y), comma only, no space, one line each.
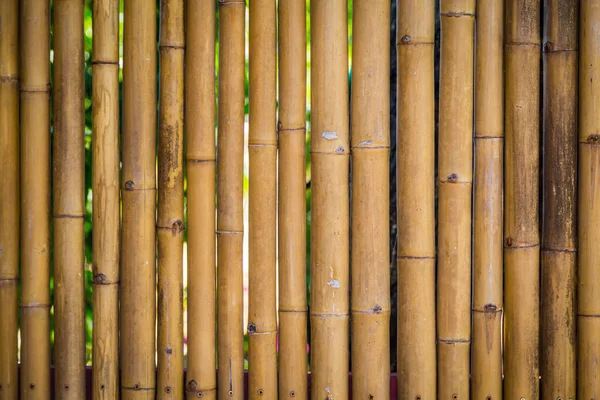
(200,165)
(416,200)
(486,369)
(330,236)
(455,175)
(521,177)
(588,287)
(138,266)
(292,200)
(558,283)
(170,225)
(9,196)
(105,202)
(262,151)
(35,199)
(370,143)
(230,223)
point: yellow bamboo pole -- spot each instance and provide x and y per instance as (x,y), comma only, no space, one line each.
(416,200)
(138,277)
(486,369)
(521,171)
(230,222)
(200,165)
(370,200)
(9,196)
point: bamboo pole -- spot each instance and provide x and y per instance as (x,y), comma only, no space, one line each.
(200,166)
(486,369)
(138,276)
(330,151)
(230,223)
(292,200)
(370,200)
(521,171)
(105,202)
(262,150)
(416,200)
(9,196)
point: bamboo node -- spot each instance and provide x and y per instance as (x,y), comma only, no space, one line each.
(100,279)
(375,310)
(453,178)
(490,308)
(405,39)
(548,47)
(509,242)
(593,138)
(129,185)
(251,328)
(340,149)
(192,386)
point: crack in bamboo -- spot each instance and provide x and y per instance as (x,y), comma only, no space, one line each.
(200,160)
(399,257)
(458,14)
(104,62)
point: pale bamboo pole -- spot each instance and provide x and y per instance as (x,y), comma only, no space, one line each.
(521,178)
(35,199)
(558,283)
(105,202)
(200,165)
(9,197)
(486,368)
(416,200)
(230,221)
(138,265)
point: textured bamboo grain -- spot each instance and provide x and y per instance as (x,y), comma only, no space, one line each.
(138,265)
(200,165)
(35,199)
(486,360)
(370,199)
(230,224)
(262,240)
(558,284)
(416,201)
(105,202)
(9,196)
(292,200)
(521,199)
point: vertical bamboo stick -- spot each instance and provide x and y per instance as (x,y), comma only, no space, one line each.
(35,199)
(105,203)
(9,196)
(416,201)
(486,369)
(558,339)
(370,199)
(200,166)
(138,274)
(521,171)
(262,150)
(230,223)
(330,151)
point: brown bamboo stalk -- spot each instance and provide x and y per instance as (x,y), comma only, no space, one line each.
(138,277)
(416,202)
(35,199)
(230,223)
(521,177)
(105,202)
(486,368)
(370,199)
(558,283)
(292,200)
(200,165)
(262,150)
(9,196)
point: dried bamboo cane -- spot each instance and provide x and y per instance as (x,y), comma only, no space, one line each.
(35,199)
(292,200)
(9,196)
(558,283)
(106,206)
(521,171)
(200,166)
(416,201)
(138,265)
(330,151)
(262,150)
(230,224)
(370,199)
(486,369)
